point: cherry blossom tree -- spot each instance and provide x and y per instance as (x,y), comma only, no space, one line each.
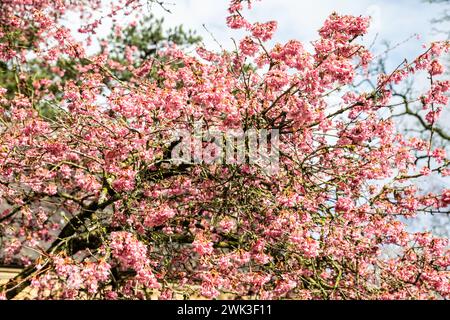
(96,208)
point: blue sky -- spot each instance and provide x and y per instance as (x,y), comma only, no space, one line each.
(394,21)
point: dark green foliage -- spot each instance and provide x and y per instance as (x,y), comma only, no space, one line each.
(149,36)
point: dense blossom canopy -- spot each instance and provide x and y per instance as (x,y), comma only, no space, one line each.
(94,208)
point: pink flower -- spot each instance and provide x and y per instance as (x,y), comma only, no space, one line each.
(236,21)
(86,181)
(264,31)
(146,277)
(235,5)
(343,28)
(208,291)
(277,79)
(262,258)
(437,94)
(439,154)
(292,54)
(284,287)
(166,294)
(227,225)
(433,116)
(125,181)
(202,246)
(248,47)
(436,68)
(446,197)
(128,251)
(445,172)
(158,216)
(425,171)
(344,204)
(51,189)
(111,295)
